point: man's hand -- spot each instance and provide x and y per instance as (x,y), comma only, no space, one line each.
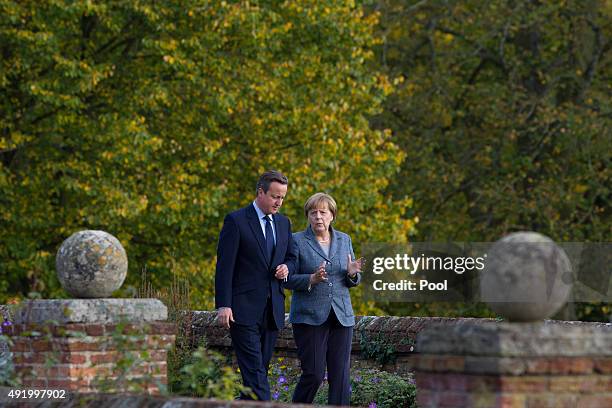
(225,316)
(281,272)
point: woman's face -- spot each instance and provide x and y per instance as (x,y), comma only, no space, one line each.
(320,217)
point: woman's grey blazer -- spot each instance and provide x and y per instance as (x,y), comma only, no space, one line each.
(313,307)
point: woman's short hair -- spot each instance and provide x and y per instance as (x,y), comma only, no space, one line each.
(317,199)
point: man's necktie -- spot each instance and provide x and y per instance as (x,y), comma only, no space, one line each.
(269,237)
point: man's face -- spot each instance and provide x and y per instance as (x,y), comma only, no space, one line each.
(271,201)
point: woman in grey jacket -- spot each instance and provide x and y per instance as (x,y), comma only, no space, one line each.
(321,311)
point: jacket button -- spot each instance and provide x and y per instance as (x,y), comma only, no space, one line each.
(330,295)
(330,283)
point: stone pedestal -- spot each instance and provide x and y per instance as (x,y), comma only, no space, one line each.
(550,364)
(92,345)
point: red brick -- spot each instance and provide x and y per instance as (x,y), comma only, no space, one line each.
(603,365)
(25,371)
(104,357)
(564,384)
(41,345)
(34,383)
(95,329)
(524,384)
(158,355)
(595,401)
(483,400)
(537,366)
(595,383)
(427,399)
(21,345)
(567,365)
(159,341)
(28,358)
(428,381)
(556,400)
(425,362)
(90,372)
(73,358)
(58,371)
(483,383)
(81,346)
(163,328)
(449,363)
(453,399)
(72,385)
(510,401)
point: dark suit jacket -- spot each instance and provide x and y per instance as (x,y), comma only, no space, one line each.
(244,275)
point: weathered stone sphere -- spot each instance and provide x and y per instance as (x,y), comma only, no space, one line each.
(527,277)
(91,264)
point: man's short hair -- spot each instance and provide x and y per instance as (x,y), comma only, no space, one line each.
(268,177)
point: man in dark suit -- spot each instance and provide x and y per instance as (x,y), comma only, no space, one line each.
(254,248)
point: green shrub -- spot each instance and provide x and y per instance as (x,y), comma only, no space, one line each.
(369,387)
(206,375)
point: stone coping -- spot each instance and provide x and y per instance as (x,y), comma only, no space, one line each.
(402,332)
(539,339)
(130,400)
(98,311)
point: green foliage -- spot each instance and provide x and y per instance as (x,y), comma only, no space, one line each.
(379,348)
(8,377)
(503,110)
(151,120)
(367,386)
(205,374)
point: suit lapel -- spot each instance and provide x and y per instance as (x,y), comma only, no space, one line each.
(312,241)
(335,243)
(256,228)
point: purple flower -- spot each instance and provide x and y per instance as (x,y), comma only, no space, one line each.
(375,380)
(282,379)
(275,395)
(372,405)
(7,322)
(358,378)
(286,388)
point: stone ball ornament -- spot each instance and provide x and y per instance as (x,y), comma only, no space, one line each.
(527,277)
(91,264)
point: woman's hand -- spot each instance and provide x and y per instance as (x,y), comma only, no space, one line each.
(354,266)
(319,275)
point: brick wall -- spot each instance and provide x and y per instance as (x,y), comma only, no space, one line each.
(515,365)
(84,357)
(91,345)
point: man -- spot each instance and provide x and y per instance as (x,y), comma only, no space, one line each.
(255,244)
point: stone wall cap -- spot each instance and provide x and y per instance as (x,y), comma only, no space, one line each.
(100,311)
(548,338)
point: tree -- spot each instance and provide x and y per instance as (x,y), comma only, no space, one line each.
(151,120)
(504,115)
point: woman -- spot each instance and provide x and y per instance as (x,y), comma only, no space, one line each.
(321,311)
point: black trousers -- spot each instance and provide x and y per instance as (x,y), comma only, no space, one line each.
(254,345)
(327,344)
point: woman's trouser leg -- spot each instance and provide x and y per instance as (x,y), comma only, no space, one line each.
(339,362)
(311,344)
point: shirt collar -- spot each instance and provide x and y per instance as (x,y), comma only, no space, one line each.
(260,213)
